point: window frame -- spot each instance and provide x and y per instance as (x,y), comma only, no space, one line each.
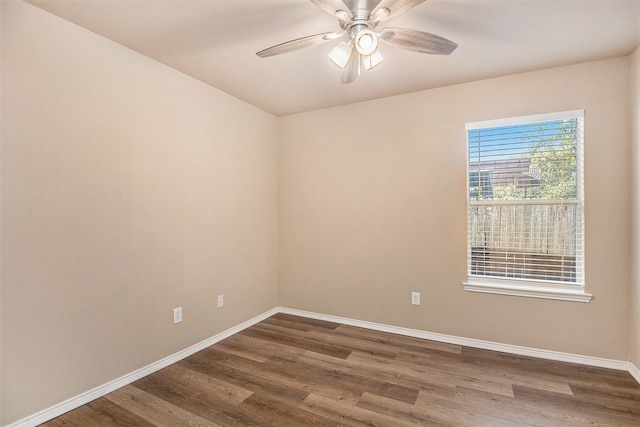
(530,287)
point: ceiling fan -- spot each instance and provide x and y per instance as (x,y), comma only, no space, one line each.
(358,48)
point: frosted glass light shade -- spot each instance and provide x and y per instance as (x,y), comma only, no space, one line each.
(340,54)
(370,61)
(366,42)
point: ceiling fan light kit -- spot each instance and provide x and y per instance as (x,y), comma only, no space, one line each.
(372,60)
(340,54)
(359,21)
(366,42)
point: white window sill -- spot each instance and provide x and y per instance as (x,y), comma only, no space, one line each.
(526,289)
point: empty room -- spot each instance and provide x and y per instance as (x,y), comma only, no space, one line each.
(320,212)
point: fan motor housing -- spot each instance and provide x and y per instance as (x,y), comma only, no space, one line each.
(360,5)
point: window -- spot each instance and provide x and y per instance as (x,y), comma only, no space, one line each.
(525,210)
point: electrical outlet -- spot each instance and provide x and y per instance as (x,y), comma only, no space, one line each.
(177,315)
(220,301)
(415,298)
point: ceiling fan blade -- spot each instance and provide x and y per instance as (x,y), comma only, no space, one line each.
(388,9)
(333,6)
(352,69)
(417,41)
(300,43)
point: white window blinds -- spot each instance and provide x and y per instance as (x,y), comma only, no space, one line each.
(525,200)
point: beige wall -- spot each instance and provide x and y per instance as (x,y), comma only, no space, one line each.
(635,197)
(372,207)
(129,189)
(2,387)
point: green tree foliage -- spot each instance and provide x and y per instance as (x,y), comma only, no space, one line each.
(553,169)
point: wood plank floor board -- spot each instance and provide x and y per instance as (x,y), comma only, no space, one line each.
(403,342)
(578,410)
(282,336)
(210,407)
(544,370)
(420,377)
(102,412)
(496,374)
(343,377)
(353,343)
(286,323)
(385,372)
(346,414)
(493,408)
(611,399)
(487,358)
(440,411)
(262,348)
(234,346)
(360,339)
(412,414)
(395,372)
(624,392)
(155,410)
(286,387)
(305,321)
(290,371)
(266,411)
(297,377)
(462,374)
(205,385)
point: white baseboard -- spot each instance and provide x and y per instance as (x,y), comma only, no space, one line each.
(634,371)
(469,342)
(84,398)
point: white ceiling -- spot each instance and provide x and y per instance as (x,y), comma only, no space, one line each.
(215,41)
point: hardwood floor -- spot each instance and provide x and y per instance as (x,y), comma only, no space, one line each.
(293,371)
